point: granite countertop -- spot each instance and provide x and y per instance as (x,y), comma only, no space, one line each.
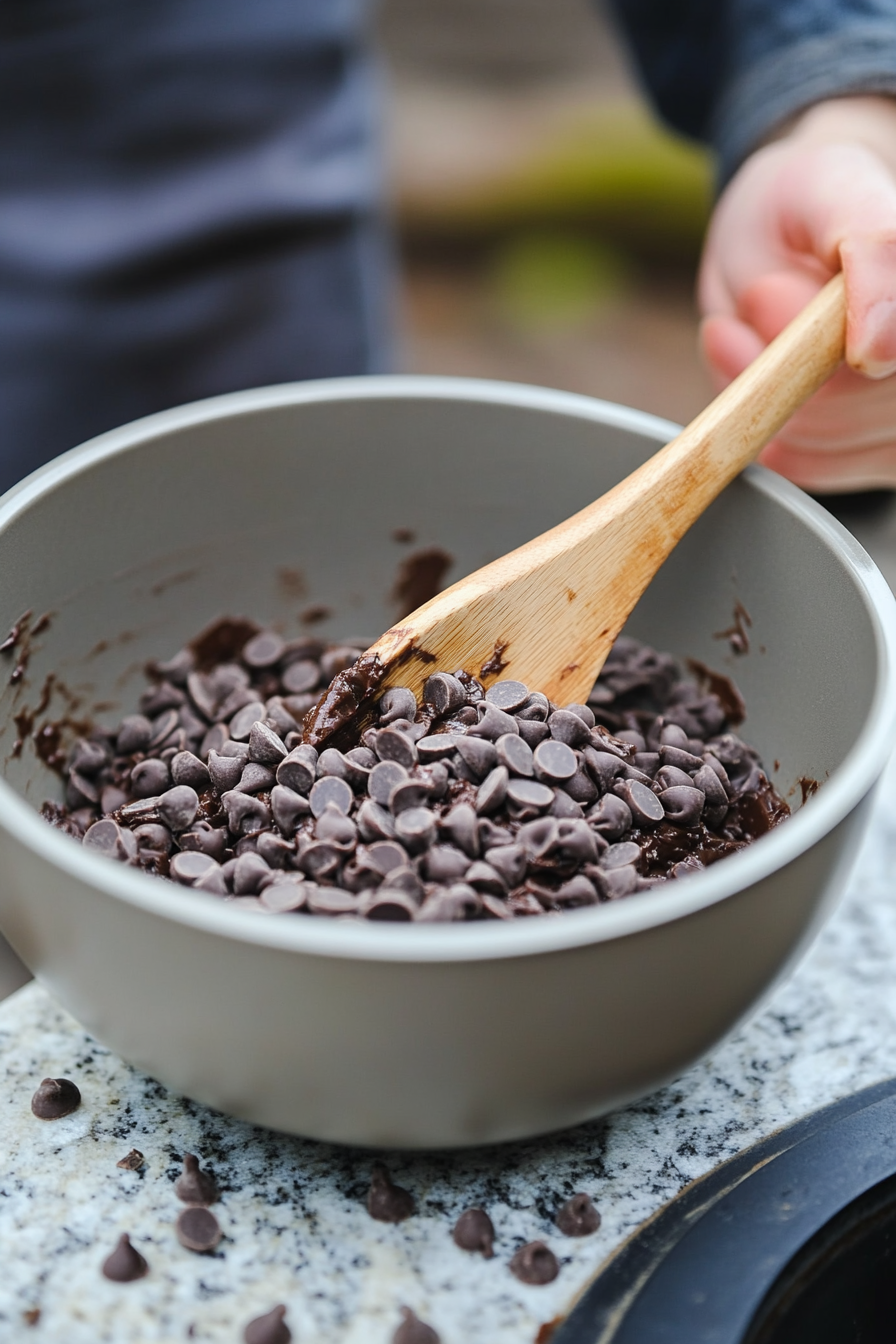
(292,1211)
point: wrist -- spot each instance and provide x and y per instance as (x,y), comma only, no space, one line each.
(868,121)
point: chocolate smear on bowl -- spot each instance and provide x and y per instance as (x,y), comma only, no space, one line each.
(197,1229)
(736,634)
(578,1217)
(314,615)
(125,1263)
(474,1231)
(55,1098)
(271,1328)
(414,1331)
(195,1186)
(420,577)
(131,1161)
(723,688)
(494,664)
(387,1202)
(535,1263)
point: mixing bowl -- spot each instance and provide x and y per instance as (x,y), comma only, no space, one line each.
(283,504)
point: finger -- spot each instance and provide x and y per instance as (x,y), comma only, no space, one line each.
(728,346)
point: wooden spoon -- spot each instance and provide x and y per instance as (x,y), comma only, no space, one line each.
(547,613)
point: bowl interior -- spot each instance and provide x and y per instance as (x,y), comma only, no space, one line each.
(274,504)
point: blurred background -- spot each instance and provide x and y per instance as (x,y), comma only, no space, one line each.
(549,228)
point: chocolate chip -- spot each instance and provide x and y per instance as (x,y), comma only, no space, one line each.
(642,802)
(416,829)
(516,754)
(528,793)
(509,861)
(611,817)
(108,838)
(224,771)
(478,755)
(682,805)
(245,813)
(268,1329)
(131,1161)
(386,1202)
(242,721)
(248,874)
(492,791)
(578,1217)
(554,761)
(388,905)
(393,745)
(134,734)
(443,693)
(188,866)
(569,728)
(264,649)
(474,1230)
(125,1263)
(493,723)
(332,901)
(189,769)
(330,791)
(288,808)
(256,778)
(150,778)
(535,1263)
(460,824)
(55,1098)
(507,695)
(285,893)
(375,822)
(265,746)
(414,1331)
(409,793)
(298,769)
(384,777)
(195,1186)
(533,731)
(437,747)
(197,1229)
(397,703)
(178,807)
(618,855)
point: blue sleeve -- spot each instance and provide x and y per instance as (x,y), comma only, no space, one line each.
(729,71)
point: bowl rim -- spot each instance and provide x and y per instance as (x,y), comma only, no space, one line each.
(477,941)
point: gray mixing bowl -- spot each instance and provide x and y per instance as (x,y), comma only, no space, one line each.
(265,503)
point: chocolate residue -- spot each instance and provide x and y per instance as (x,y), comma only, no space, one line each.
(16,632)
(736,634)
(404,535)
(347,695)
(42,623)
(292,581)
(547,1331)
(222,641)
(729,697)
(749,816)
(494,665)
(419,578)
(808,786)
(314,615)
(172,581)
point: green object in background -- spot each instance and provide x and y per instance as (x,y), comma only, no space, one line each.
(611,168)
(551,280)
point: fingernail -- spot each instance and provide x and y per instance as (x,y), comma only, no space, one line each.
(876,357)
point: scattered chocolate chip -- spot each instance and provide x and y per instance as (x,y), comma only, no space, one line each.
(535,1263)
(197,1229)
(125,1263)
(578,1217)
(131,1161)
(474,1230)
(386,1202)
(268,1329)
(414,1331)
(195,1186)
(55,1098)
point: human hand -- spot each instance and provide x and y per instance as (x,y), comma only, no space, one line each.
(821,197)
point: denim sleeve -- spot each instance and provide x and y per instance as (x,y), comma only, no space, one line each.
(729,71)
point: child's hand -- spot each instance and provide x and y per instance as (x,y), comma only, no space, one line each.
(820,198)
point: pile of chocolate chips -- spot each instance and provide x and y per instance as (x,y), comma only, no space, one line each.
(468,804)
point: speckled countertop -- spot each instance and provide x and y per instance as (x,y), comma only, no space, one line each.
(295,1226)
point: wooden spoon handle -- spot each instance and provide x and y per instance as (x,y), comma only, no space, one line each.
(548,613)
